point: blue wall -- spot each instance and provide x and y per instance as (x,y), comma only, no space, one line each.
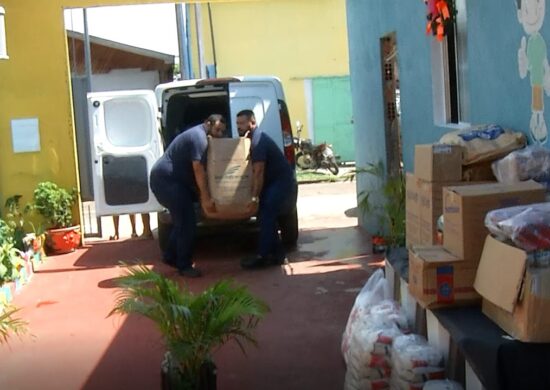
(497,93)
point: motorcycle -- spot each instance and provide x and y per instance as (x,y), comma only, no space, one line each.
(309,156)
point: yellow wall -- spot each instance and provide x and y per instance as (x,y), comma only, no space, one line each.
(291,39)
(35,83)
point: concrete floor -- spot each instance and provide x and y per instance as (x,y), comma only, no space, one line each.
(74,345)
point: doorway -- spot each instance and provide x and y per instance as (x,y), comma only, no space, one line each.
(109,58)
(392,104)
(332,115)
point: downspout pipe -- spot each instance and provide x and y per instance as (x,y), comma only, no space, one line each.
(183,52)
(213,41)
(188,41)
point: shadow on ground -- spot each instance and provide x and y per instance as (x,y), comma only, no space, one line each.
(298,341)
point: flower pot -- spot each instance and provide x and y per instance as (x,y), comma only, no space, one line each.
(173,379)
(63,240)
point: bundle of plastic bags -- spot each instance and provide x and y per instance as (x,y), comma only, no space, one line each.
(532,162)
(414,362)
(527,226)
(373,324)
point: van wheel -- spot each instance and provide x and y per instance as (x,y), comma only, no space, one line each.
(288,225)
(164,229)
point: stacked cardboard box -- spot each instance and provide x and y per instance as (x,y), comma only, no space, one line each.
(443,276)
(436,166)
(432,268)
(515,296)
(465,208)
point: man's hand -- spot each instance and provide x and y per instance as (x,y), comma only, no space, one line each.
(208,205)
(252,208)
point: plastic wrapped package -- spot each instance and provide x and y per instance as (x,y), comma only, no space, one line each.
(528,226)
(414,362)
(532,162)
(484,142)
(369,355)
(374,291)
(442,385)
(397,383)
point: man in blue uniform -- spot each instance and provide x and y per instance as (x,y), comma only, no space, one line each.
(175,180)
(274,191)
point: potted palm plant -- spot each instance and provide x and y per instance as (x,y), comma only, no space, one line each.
(10,324)
(55,205)
(192,325)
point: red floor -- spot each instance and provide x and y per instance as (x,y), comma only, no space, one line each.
(75,346)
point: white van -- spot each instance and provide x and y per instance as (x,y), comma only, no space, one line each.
(126,141)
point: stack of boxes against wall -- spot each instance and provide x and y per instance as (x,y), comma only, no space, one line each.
(444,275)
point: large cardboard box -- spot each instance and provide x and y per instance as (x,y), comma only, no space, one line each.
(465,207)
(515,296)
(438,162)
(229,173)
(424,205)
(437,278)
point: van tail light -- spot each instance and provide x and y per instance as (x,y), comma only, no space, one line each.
(287,134)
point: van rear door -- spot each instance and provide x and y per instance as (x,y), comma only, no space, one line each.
(259,96)
(125,144)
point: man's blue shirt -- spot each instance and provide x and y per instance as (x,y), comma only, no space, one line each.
(178,158)
(277,168)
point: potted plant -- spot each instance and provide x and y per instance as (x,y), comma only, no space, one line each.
(192,325)
(391,213)
(15,218)
(55,205)
(9,324)
(11,260)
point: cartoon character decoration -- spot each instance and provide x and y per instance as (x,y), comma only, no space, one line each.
(440,14)
(532,59)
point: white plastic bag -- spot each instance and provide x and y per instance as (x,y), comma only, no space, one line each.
(532,162)
(528,226)
(374,291)
(414,362)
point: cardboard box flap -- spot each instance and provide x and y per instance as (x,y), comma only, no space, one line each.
(500,273)
(433,254)
(496,188)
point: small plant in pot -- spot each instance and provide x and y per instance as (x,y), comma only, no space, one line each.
(192,325)
(55,205)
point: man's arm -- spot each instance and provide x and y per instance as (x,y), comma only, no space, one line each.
(257,185)
(200,178)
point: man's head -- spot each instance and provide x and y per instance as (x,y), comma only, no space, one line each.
(215,125)
(531,14)
(246,121)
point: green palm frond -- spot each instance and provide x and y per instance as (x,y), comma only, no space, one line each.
(11,325)
(192,325)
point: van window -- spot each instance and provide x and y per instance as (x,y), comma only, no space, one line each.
(129,122)
(188,110)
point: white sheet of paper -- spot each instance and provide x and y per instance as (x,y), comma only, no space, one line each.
(25,135)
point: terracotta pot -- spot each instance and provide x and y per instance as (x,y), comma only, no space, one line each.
(63,240)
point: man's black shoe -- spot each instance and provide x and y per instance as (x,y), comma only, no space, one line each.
(190,272)
(277,259)
(170,262)
(255,262)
